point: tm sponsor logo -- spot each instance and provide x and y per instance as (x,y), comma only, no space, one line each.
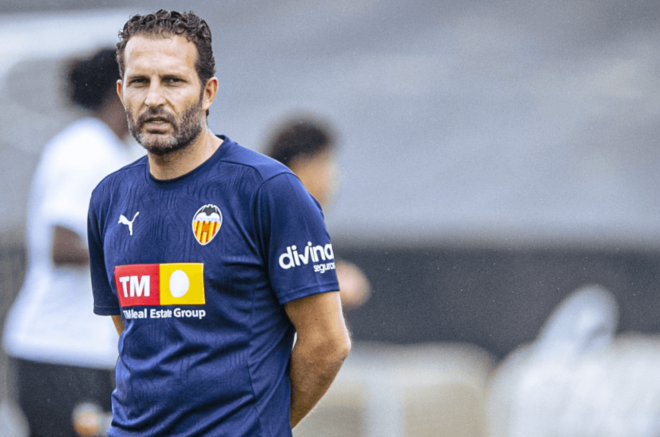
(294,257)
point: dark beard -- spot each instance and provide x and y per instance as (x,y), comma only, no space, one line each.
(184,133)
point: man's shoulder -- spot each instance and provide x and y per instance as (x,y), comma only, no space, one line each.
(252,160)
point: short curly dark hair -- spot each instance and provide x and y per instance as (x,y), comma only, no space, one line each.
(89,81)
(167,23)
(300,137)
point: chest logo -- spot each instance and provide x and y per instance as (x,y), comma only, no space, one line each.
(206,223)
(124,221)
(160,284)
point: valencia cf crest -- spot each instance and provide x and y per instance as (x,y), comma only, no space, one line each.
(206,223)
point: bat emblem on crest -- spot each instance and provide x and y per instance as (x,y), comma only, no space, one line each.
(206,223)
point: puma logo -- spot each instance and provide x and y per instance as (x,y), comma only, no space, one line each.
(124,221)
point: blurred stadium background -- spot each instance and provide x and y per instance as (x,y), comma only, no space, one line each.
(495,156)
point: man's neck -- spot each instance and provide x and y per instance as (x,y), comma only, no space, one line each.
(180,162)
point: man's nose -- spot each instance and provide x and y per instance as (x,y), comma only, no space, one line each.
(155,96)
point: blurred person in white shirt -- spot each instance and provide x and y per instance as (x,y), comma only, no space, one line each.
(62,355)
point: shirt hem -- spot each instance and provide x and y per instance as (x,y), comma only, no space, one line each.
(105,311)
(309,291)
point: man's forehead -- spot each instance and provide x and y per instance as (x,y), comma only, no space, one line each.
(164,51)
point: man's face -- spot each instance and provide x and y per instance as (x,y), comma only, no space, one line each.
(161,93)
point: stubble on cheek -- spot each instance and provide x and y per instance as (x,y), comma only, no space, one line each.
(183,130)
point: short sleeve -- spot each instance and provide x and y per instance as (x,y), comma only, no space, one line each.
(294,239)
(105,301)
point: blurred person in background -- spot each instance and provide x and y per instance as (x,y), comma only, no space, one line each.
(579,377)
(307,147)
(62,355)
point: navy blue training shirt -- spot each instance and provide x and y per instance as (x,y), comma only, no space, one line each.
(199,268)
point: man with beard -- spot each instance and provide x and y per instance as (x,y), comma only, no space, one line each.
(207,256)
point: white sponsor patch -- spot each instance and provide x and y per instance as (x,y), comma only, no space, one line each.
(164,313)
(320,256)
(322,268)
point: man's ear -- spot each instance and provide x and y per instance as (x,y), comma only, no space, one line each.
(120,89)
(210,92)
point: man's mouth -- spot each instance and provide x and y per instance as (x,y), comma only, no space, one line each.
(155,123)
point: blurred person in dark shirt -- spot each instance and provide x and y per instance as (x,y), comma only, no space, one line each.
(307,146)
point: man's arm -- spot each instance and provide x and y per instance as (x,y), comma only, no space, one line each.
(68,248)
(354,287)
(119,324)
(321,347)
